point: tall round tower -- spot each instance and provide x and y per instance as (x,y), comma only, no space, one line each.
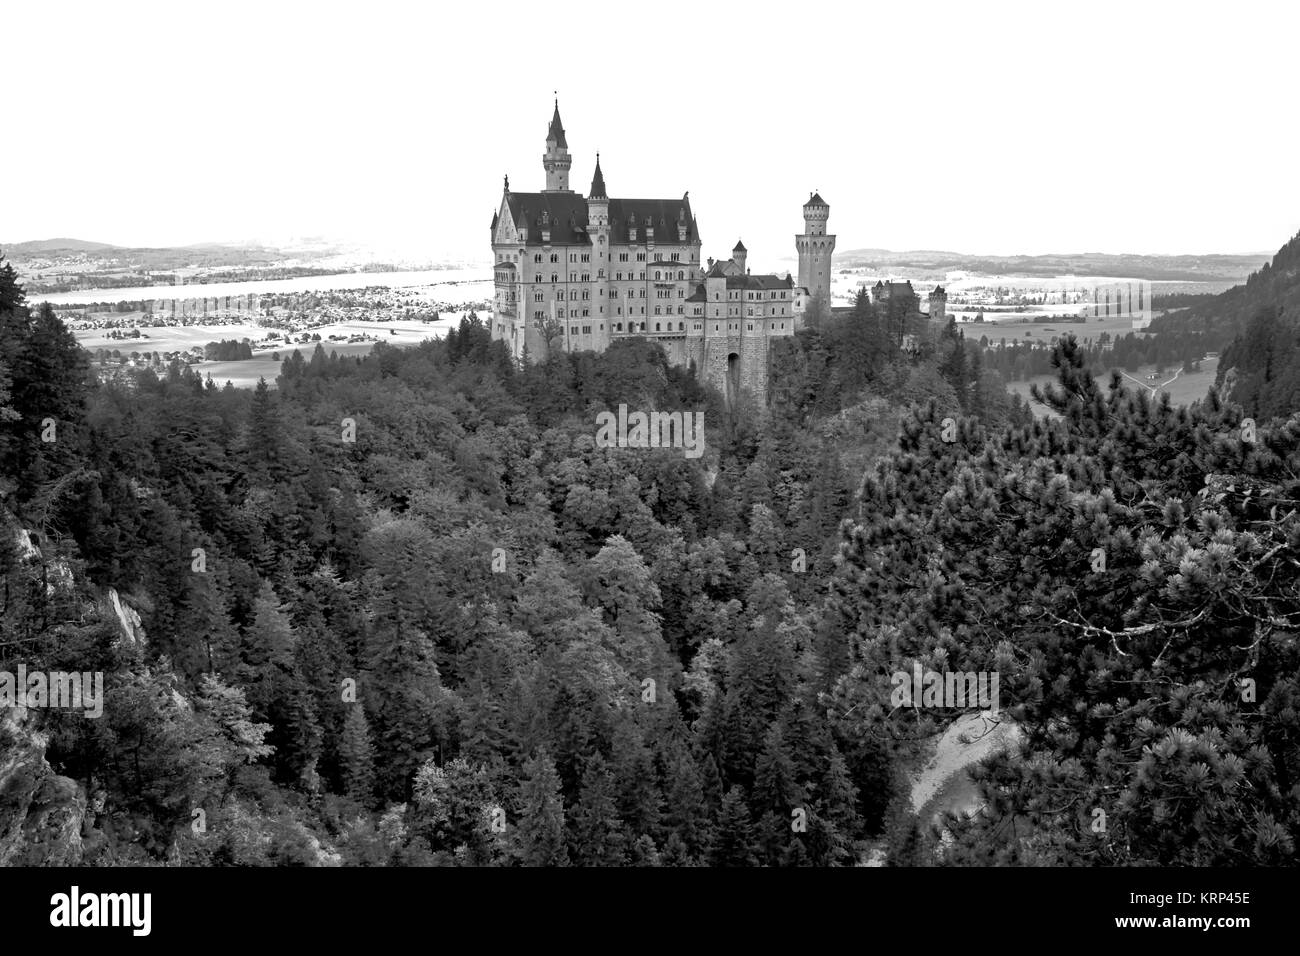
(556,159)
(815,250)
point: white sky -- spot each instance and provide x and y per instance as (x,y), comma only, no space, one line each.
(982,127)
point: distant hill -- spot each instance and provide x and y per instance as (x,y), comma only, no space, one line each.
(1207,268)
(42,246)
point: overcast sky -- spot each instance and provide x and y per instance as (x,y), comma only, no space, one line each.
(985,127)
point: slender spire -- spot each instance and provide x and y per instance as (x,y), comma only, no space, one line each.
(598,183)
(556,132)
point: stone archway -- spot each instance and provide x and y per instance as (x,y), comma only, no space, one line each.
(733,379)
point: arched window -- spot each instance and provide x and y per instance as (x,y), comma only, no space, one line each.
(657,329)
(656,275)
(681,275)
(681,326)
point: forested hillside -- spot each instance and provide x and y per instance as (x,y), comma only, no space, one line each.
(403,610)
(1224,317)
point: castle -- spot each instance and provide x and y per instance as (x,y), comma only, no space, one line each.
(577,273)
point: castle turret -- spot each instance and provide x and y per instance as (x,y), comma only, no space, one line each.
(598,233)
(739,255)
(556,159)
(815,248)
(938,305)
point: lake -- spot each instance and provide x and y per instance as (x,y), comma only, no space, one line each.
(442,285)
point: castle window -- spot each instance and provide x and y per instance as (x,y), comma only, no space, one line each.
(586,277)
(640,257)
(554,277)
(573,277)
(573,330)
(656,274)
(643,276)
(560,313)
(716,296)
(537,297)
(538,277)
(642,291)
(622,257)
(657,327)
(751,326)
(586,312)
(642,326)
(586,330)
(619,327)
(677,256)
(681,310)
(554,257)
(586,257)
(657,311)
(681,326)
(715,326)
(681,273)
(537,257)
(573,257)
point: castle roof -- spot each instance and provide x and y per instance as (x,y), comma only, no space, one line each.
(739,247)
(598,182)
(747,281)
(816,200)
(556,132)
(761,283)
(567,213)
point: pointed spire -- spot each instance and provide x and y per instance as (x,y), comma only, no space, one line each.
(556,132)
(597,183)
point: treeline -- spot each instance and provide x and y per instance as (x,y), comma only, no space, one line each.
(228,350)
(1017,361)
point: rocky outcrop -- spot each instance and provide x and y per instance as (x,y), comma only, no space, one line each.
(128,619)
(42,814)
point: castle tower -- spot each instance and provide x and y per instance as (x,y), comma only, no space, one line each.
(815,249)
(556,159)
(598,233)
(938,306)
(739,255)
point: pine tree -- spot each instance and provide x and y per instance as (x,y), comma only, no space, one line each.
(356,756)
(539,836)
(598,835)
(733,842)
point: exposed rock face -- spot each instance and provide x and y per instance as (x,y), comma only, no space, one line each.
(127,619)
(41,813)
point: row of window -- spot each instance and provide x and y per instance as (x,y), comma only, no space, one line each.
(640,327)
(582,257)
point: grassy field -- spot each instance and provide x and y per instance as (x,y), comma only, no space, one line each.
(1182,390)
(1016,331)
(168,338)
